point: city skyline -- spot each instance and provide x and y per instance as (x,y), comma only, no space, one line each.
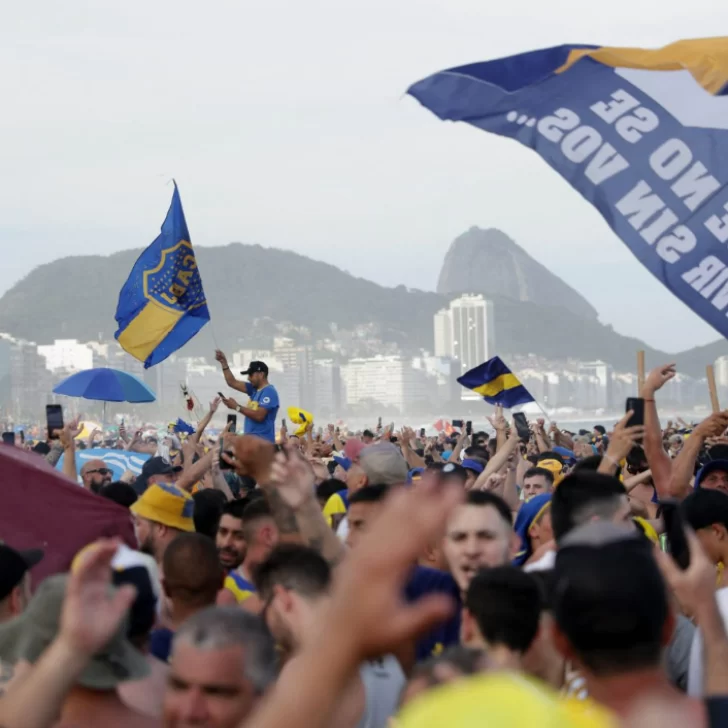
(321,378)
(300,116)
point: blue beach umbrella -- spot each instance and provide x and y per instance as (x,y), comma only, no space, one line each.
(106,385)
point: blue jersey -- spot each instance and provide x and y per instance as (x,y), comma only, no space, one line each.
(424,580)
(267,399)
(160,643)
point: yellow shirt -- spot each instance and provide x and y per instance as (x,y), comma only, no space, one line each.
(334,506)
(500,700)
(239,586)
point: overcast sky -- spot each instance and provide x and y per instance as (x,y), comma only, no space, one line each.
(284,123)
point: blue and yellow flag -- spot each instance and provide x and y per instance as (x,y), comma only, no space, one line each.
(497,384)
(162,304)
(641,134)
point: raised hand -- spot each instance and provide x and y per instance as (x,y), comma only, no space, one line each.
(498,421)
(293,477)
(714,426)
(657,379)
(230,403)
(251,455)
(70,432)
(91,612)
(695,586)
(624,438)
(367,608)
(215,404)
(494,482)
(219,356)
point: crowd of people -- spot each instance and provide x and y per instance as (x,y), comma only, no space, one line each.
(379,578)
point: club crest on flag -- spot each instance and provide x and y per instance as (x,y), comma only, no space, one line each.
(175,283)
(162,304)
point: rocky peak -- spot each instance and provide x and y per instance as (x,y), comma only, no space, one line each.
(489,262)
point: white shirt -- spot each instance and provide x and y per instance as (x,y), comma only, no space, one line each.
(696,686)
(383,682)
(545,563)
(342,531)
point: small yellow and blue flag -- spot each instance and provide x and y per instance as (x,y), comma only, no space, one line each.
(162,304)
(497,384)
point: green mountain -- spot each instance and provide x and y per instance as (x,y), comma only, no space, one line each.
(251,288)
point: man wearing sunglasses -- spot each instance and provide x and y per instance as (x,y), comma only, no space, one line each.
(95,475)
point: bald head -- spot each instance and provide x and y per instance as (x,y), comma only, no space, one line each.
(95,474)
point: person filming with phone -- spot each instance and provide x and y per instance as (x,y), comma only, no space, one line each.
(261,410)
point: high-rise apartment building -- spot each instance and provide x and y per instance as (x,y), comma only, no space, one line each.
(386,380)
(466,331)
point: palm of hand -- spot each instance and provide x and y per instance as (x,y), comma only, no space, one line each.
(87,619)
(297,484)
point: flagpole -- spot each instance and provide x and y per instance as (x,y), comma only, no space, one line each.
(214,338)
(535,401)
(543,412)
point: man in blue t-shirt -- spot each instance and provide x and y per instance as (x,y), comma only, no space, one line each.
(261,411)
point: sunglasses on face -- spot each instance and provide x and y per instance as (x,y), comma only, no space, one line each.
(101,471)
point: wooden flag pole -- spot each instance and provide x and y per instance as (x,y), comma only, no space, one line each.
(640,371)
(712,388)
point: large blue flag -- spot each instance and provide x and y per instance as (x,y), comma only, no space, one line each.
(162,304)
(641,134)
(118,461)
(496,384)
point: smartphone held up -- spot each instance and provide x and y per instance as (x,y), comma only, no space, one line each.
(635,405)
(54,420)
(522,428)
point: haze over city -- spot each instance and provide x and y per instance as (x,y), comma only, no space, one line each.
(285,124)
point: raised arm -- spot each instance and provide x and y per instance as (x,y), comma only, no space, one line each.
(560,438)
(54,454)
(498,461)
(205,421)
(218,479)
(500,425)
(542,439)
(413,459)
(463,439)
(366,616)
(137,445)
(257,415)
(621,441)
(338,445)
(659,461)
(68,441)
(194,471)
(683,466)
(694,588)
(292,497)
(510,487)
(229,378)
(89,618)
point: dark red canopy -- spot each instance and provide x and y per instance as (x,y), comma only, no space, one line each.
(41,508)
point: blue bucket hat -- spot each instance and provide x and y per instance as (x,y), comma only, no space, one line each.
(528,513)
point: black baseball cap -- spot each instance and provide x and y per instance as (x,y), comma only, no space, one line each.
(14,565)
(256,366)
(158,466)
(154,466)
